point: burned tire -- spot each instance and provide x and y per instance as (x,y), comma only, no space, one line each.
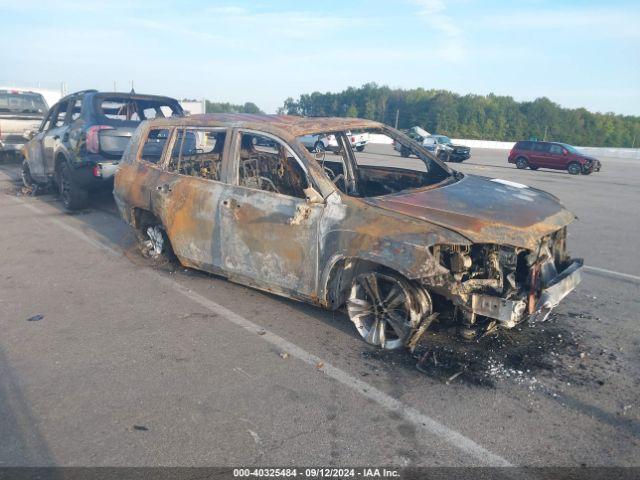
(154,243)
(521,163)
(574,168)
(386,309)
(73,197)
(27,179)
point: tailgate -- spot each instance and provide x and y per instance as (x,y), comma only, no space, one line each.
(114,141)
(11,125)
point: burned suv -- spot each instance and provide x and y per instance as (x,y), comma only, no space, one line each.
(395,240)
(82,138)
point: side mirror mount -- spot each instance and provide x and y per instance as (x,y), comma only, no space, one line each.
(313,197)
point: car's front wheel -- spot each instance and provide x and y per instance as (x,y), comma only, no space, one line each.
(73,197)
(27,179)
(574,168)
(521,163)
(386,309)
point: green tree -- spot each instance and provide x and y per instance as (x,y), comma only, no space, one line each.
(491,117)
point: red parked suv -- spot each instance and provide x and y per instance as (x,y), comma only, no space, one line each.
(558,156)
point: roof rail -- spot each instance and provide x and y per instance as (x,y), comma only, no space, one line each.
(91,90)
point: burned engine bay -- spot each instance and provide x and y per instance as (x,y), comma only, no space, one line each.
(493,285)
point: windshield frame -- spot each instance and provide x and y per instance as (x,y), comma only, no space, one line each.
(442,137)
(351,166)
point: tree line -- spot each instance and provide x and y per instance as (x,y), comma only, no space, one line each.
(487,117)
(223,107)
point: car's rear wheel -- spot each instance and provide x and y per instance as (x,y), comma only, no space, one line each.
(154,242)
(574,168)
(386,309)
(521,163)
(73,197)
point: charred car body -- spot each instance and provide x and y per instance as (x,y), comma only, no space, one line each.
(79,143)
(241,196)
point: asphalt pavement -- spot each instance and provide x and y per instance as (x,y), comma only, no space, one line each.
(109,359)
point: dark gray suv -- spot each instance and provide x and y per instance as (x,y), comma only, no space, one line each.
(81,140)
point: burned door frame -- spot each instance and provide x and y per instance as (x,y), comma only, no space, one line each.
(188,205)
(35,148)
(269,239)
(52,142)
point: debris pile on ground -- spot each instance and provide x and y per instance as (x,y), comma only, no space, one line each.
(532,355)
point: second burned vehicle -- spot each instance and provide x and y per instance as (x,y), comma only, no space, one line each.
(80,141)
(393,239)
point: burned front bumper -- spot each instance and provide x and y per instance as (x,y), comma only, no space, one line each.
(511,312)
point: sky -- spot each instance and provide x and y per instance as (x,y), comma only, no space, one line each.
(577,53)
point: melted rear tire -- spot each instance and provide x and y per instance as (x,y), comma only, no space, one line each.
(154,243)
(73,197)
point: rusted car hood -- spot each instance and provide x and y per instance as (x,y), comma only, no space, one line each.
(484,210)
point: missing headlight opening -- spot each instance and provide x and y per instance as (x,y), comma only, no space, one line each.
(487,282)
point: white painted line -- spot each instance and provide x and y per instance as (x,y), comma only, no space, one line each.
(612,273)
(420,420)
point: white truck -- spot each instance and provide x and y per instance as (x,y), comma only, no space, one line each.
(329,142)
(21,113)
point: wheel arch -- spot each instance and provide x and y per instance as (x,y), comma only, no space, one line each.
(60,159)
(139,217)
(338,275)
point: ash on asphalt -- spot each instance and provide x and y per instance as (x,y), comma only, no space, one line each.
(525,355)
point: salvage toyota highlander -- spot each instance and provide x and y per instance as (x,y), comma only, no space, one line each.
(396,240)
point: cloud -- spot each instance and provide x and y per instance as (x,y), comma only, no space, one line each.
(433,13)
